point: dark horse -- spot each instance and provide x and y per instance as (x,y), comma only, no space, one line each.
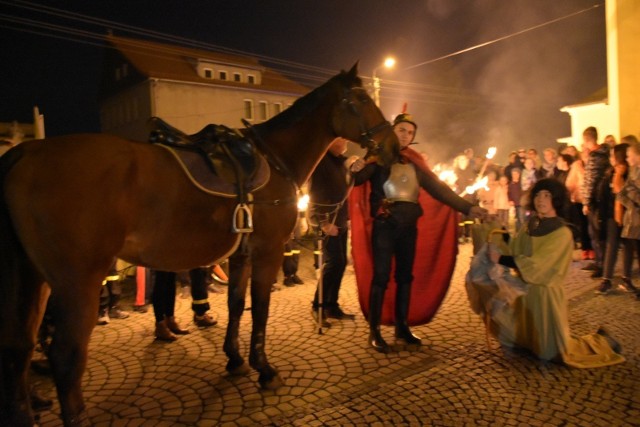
(71,204)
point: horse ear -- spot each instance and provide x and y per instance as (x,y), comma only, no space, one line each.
(353,72)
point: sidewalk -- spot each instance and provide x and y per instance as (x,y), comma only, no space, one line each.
(334,379)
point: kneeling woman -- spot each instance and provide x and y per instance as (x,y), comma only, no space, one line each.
(537,320)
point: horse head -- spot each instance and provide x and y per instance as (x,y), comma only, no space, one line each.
(357,118)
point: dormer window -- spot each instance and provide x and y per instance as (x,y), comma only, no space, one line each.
(223,75)
(251,79)
(208,73)
(237,77)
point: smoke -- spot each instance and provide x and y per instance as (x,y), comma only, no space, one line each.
(507,94)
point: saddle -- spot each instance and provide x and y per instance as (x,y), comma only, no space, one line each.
(221,160)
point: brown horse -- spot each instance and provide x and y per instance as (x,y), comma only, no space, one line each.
(71,204)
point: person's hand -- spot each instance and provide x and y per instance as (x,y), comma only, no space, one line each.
(357,164)
(585,210)
(493,253)
(478,212)
(330,229)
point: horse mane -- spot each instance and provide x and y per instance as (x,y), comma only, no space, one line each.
(302,107)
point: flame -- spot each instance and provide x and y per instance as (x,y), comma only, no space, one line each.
(448,176)
(303,203)
(491,152)
(482,183)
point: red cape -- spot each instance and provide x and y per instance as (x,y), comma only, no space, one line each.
(436,251)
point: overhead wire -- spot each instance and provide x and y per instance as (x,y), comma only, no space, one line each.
(305,73)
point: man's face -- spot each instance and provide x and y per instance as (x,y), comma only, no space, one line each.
(405,133)
(588,144)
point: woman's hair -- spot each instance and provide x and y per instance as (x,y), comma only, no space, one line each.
(635,147)
(559,195)
(620,153)
(629,139)
(567,158)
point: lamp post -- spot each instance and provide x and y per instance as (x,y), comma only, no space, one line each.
(389,62)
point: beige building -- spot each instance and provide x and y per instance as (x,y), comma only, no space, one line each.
(614,110)
(188,88)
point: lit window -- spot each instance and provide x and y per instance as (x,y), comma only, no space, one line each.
(223,75)
(264,110)
(248,109)
(237,77)
(208,73)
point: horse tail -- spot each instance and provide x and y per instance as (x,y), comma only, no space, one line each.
(12,254)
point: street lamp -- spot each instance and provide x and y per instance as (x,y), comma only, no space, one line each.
(388,63)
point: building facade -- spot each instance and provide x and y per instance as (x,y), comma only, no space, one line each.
(614,110)
(188,88)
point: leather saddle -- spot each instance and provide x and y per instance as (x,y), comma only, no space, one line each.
(219,159)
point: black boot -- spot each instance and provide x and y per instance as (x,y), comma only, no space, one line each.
(403,333)
(375,312)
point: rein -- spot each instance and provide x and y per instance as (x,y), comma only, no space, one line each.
(277,164)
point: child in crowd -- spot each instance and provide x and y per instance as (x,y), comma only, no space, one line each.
(514,192)
(501,201)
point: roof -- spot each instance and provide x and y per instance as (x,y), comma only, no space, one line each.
(172,62)
(598,97)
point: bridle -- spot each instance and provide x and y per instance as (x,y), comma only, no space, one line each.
(366,134)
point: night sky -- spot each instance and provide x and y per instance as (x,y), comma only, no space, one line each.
(507,94)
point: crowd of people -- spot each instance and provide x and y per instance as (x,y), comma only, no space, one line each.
(600,182)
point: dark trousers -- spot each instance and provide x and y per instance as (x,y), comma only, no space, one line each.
(111,289)
(596,233)
(110,294)
(199,292)
(164,294)
(334,257)
(580,227)
(631,246)
(611,248)
(391,239)
(291,258)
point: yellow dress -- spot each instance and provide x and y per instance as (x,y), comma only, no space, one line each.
(538,318)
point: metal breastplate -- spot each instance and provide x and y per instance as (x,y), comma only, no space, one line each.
(402,184)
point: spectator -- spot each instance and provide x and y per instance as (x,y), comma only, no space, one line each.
(515,196)
(501,201)
(629,198)
(514,162)
(595,168)
(548,167)
(110,297)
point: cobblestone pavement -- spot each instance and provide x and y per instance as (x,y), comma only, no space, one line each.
(333,379)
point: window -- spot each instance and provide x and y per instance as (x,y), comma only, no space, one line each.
(264,110)
(237,77)
(251,79)
(223,75)
(248,109)
(277,108)
(208,73)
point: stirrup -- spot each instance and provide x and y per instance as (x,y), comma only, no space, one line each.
(243,212)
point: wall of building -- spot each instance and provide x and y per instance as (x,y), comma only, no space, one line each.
(627,51)
(189,107)
(600,115)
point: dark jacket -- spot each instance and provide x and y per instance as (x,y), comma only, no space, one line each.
(329,186)
(597,165)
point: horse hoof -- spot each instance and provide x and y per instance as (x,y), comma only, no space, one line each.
(235,369)
(272,384)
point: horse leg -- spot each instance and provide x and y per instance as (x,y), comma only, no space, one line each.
(74,315)
(264,273)
(238,278)
(21,319)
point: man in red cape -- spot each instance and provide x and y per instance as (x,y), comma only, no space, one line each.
(389,231)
